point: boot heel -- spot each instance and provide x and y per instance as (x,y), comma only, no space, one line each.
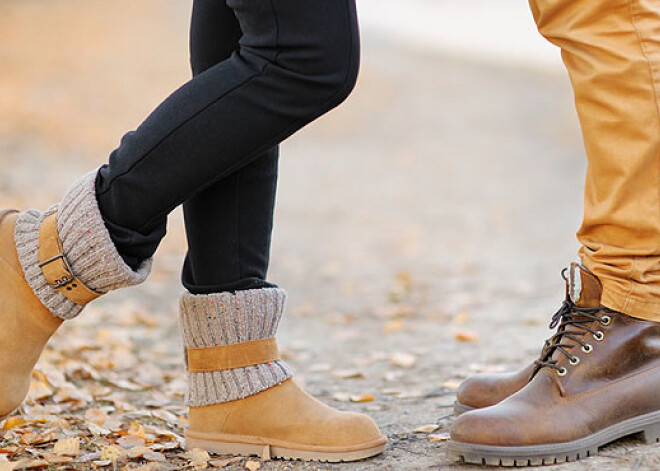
(651,433)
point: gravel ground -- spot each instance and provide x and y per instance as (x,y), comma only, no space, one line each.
(420,229)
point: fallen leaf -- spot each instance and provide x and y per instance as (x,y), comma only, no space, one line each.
(347,374)
(226,462)
(138,452)
(253,465)
(428,428)
(197,454)
(67,447)
(112,453)
(35,464)
(466,336)
(39,391)
(131,441)
(54,459)
(13,422)
(403,360)
(341,397)
(362,398)
(453,385)
(155,456)
(96,416)
(439,437)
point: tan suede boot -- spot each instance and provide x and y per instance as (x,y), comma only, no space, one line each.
(284,422)
(597,382)
(52,264)
(26,323)
(241,396)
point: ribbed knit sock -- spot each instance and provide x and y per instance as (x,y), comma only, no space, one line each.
(226,318)
(87,247)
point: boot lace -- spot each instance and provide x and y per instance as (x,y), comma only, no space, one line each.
(575,323)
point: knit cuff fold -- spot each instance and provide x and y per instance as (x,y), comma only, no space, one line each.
(87,246)
(229,318)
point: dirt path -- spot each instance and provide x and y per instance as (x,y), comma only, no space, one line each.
(437,206)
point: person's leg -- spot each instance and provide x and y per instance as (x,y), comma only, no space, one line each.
(229,224)
(605,350)
(296,60)
(242,399)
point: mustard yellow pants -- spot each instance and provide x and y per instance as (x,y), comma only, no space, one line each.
(611,49)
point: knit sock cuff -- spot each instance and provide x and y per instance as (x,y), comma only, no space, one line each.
(225,319)
(87,247)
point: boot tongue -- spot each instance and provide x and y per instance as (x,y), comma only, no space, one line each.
(583,287)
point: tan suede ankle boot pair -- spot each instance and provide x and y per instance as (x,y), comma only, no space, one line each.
(243,400)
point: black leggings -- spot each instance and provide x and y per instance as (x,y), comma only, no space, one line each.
(262,70)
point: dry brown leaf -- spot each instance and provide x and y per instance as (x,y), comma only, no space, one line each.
(466,336)
(428,428)
(253,465)
(347,374)
(362,398)
(39,391)
(67,447)
(137,430)
(225,462)
(155,456)
(31,438)
(165,416)
(138,452)
(54,459)
(35,464)
(131,441)
(96,416)
(451,384)
(72,394)
(13,422)
(403,360)
(112,453)
(439,437)
(197,454)
(341,397)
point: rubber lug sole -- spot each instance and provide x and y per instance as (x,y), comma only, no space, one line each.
(648,425)
(267,451)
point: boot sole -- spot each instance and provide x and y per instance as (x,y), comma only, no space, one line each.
(648,425)
(461,408)
(254,446)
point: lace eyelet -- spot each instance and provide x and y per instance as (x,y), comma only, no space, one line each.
(574,361)
(605,320)
(587,348)
(599,336)
(562,372)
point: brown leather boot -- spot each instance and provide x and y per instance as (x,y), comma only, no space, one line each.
(487,389)
(597,382)
(26,323)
